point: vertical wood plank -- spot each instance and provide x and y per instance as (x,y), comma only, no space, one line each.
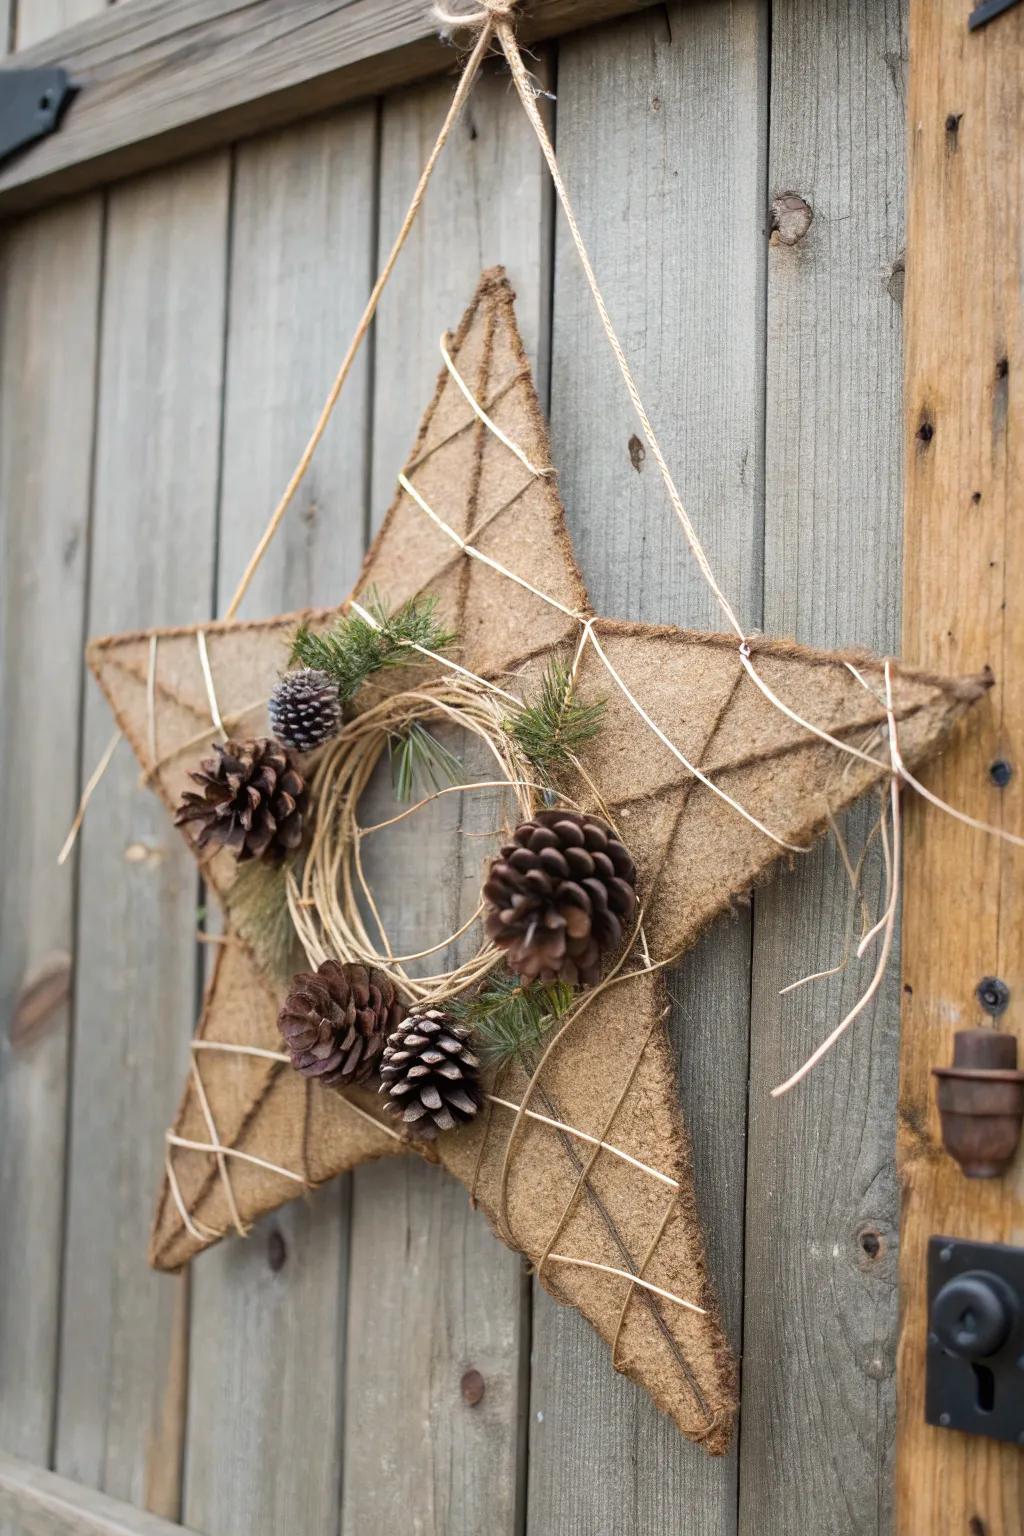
(268,1313)
(820,1309)
(964,520)
(123,1343)
(661,135)
(39,19)
(49,294)
(432,1292)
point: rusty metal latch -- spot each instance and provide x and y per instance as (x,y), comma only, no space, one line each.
(975,1370)
(981,1102)
(31,104)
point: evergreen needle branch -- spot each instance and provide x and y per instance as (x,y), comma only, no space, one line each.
(509,1020)
(257,900)
(418,758)
(354,649)
(551,730)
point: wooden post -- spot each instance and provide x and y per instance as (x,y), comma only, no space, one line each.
(963,608)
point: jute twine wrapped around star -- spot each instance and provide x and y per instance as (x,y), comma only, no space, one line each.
(708,779)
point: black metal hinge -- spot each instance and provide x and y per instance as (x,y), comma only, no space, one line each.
(31,104)
(988,10)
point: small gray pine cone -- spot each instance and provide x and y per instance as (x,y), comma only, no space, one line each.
(430,1075)
(335,1021)
(557,896)
(305,709)
(253,800)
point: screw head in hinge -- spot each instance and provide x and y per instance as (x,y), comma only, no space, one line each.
(993,995)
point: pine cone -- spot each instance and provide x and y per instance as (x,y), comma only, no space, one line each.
(429,1074)
(305,709)
(557,896)
(335,1021)
(253,800)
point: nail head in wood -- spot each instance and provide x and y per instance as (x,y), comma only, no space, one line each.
(472,1386)
(993,995)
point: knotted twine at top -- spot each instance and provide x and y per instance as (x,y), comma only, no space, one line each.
(487,14)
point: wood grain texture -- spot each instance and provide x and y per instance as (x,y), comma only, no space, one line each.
(964,520)
(432,1291)
(820,1304)
(34,1502)
(122,1378)
(161,81)
(38,20)
(661,134)
(268,1313)
(49,282)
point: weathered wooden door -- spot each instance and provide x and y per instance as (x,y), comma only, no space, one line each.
(169,328)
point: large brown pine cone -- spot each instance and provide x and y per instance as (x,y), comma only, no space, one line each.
(430,1074)
(335,1021)
(253,800)
(558,895)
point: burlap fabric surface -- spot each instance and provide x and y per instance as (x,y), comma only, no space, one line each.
(694,854)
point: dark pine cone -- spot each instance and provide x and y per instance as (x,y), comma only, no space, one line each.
(253,800)
(305,709)
(430,1074)
(557,896)
(336,1020)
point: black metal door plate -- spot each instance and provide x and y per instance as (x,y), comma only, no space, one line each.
(987,11)
(31,103)
(975,1372)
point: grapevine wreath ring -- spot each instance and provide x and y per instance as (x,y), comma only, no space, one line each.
(325,903)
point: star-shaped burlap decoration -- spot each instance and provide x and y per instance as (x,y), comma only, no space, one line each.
(555,1197)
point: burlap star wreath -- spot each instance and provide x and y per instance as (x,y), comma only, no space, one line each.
(675,785)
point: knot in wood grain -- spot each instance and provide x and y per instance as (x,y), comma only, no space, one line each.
(789,218)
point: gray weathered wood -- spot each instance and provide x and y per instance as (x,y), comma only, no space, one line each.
(41,19)
(161,81)
(123,1342)
(661,134)
(268,1314)
(49,293)
(821,1304)
(34,1502)
(432,1292)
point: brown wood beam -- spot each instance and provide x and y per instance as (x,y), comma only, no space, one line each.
(160,80)
(963,608)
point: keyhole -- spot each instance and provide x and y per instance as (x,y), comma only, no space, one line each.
(985,1384)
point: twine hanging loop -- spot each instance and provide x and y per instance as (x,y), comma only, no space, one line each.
(485,14)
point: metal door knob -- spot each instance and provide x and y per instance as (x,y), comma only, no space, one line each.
(973,1314)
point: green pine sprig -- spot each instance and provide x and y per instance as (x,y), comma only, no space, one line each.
(552,729)
(418,758)
(257,900)
(354,649)
(510,1020)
